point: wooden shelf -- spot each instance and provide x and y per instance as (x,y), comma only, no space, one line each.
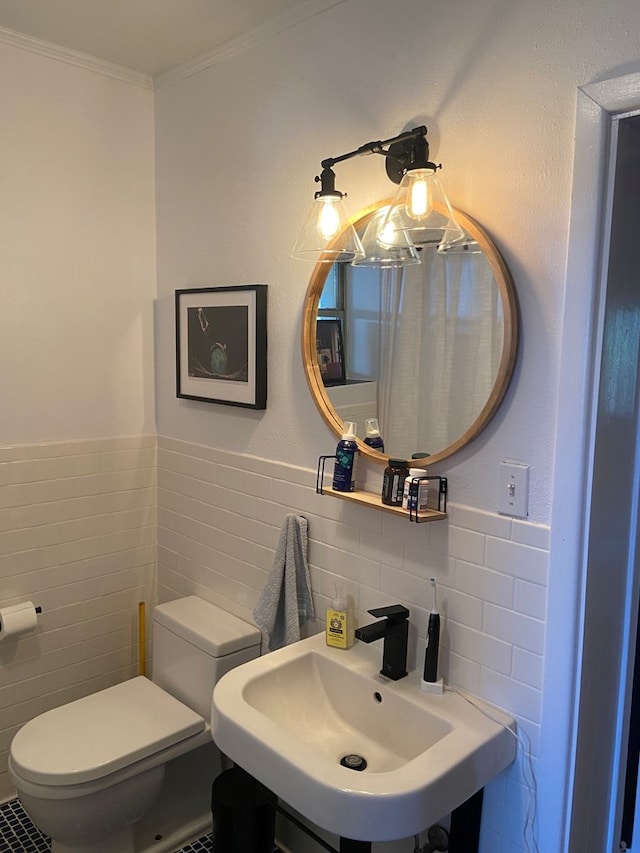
(371,499)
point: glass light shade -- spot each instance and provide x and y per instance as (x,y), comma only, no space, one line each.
(421,209)
(464,245)
(327,235)
(386,247)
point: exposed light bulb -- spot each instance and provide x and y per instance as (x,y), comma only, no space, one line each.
(329,220)
(419,205)
(388,235)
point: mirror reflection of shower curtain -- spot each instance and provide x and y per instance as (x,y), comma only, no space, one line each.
(438,363)
(398,392)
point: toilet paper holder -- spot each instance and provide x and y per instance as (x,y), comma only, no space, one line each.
(37,607)
(18,619)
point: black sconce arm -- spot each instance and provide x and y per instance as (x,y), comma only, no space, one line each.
(408,149)
(378,147)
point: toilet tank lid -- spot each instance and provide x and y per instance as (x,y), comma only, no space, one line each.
(206,626)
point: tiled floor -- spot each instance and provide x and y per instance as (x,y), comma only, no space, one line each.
(19,835)
(200,846)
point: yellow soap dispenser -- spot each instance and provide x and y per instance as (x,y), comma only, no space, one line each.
(339,622)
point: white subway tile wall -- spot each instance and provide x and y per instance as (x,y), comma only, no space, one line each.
(219,516)
(78,534)
(77,537)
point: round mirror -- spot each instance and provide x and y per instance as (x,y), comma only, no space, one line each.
(427,350)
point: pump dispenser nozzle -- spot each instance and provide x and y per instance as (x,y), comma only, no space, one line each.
(350,431)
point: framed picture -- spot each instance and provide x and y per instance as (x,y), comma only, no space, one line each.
(221,345)
(330,351)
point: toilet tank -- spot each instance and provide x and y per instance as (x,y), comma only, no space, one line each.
(194,644)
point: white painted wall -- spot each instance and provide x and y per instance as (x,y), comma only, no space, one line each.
(77,283)
(77,252)
(239,144)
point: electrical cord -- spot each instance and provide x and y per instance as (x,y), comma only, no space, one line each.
(528,773)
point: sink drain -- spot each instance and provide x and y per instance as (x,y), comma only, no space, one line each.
(353,762)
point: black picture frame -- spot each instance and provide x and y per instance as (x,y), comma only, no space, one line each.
(221,345)
(330,351)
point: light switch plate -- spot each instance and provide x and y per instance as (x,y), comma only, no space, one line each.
(513,489)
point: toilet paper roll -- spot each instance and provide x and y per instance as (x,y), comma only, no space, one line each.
(17,619)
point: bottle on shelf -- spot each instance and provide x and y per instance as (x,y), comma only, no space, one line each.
(344,470)
(416,490)
(393,480)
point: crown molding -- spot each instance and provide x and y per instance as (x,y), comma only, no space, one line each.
(269,29)
(275,26)
(76,58)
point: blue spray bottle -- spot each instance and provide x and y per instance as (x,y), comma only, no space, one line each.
(344,475)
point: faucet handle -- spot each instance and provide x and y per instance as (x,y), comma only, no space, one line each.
(395,613)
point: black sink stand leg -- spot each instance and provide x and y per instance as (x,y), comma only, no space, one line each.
(348,845)
(464,834)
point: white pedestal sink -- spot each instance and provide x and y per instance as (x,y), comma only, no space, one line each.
(289,717)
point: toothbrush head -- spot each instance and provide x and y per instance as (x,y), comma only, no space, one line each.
(432,581)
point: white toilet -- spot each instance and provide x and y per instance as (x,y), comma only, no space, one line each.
(86,772)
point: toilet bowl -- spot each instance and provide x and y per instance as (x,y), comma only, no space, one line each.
(87,771)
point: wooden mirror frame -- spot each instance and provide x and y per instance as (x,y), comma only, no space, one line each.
(507,292)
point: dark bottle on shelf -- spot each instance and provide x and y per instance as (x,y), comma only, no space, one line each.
(393,479)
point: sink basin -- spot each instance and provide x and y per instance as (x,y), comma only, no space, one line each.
(291,716)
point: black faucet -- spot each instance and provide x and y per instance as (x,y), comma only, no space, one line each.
(395,630)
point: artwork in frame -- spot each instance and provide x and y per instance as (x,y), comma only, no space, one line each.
(221,345)
(330,351)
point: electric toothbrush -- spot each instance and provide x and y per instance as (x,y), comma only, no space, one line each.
(430,676)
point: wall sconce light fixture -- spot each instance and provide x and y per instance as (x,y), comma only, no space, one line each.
(419,215)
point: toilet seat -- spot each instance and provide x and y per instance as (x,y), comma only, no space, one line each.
(112,729)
